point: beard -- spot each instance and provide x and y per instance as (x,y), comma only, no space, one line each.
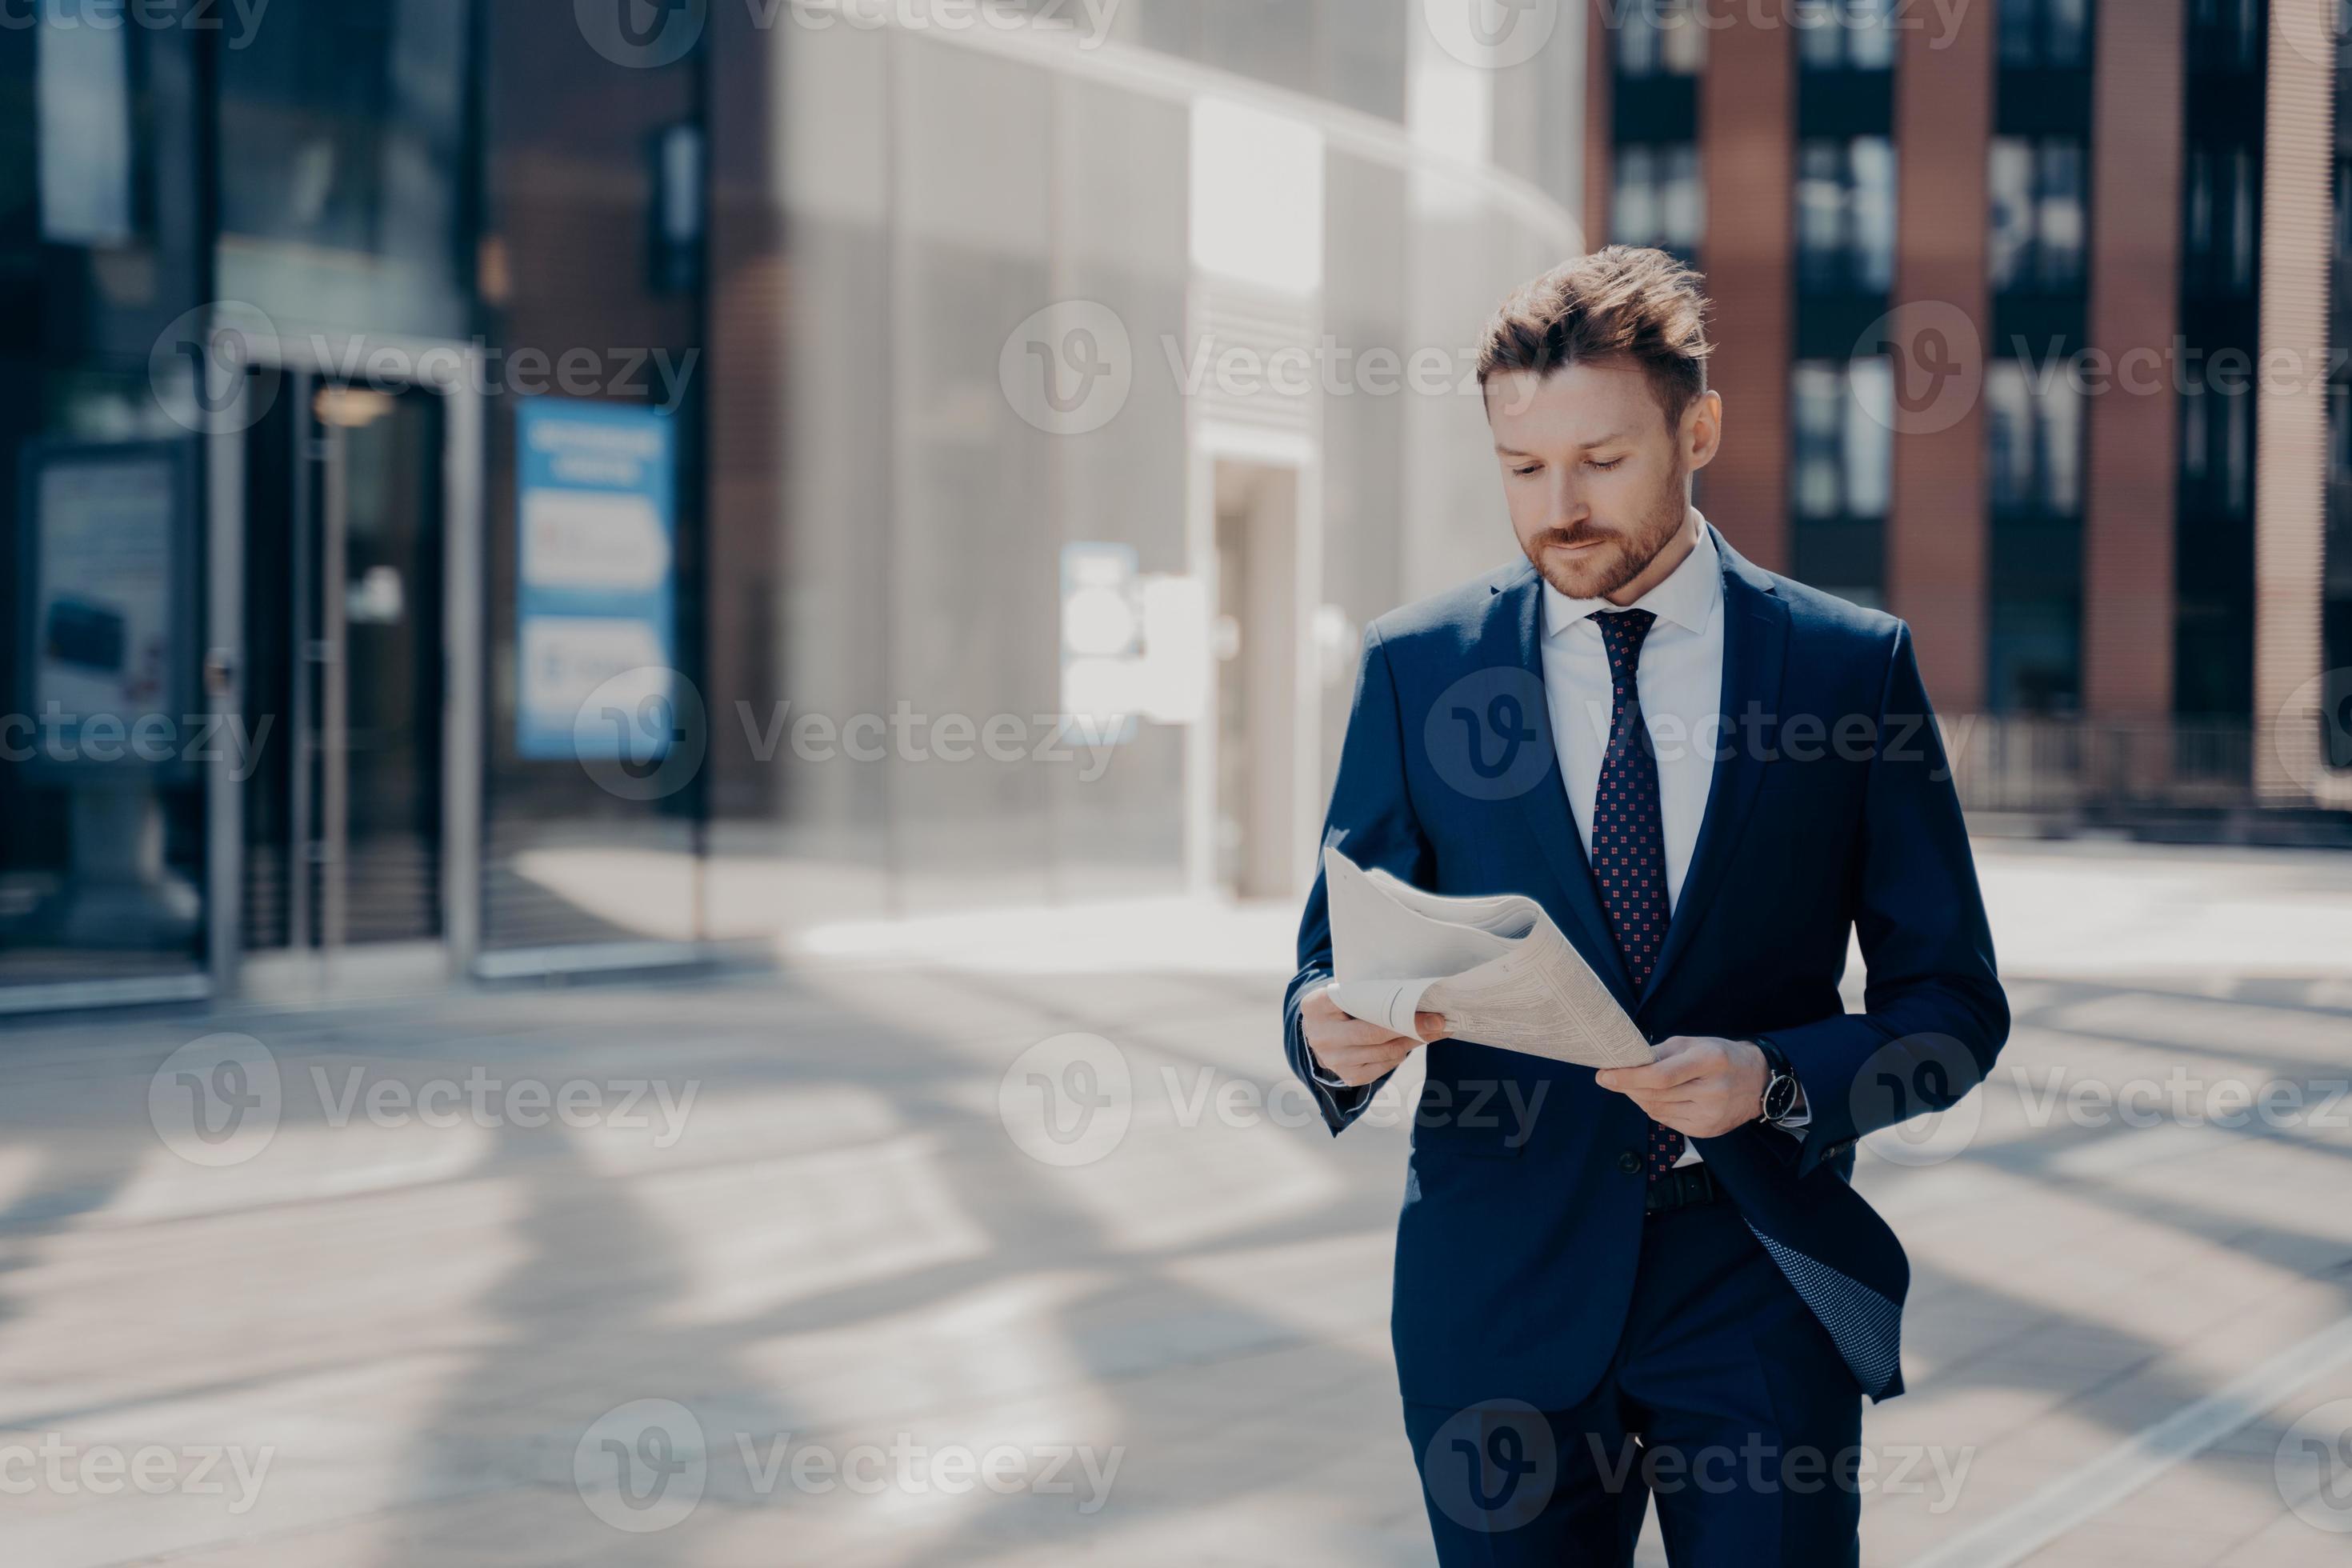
(1620,554)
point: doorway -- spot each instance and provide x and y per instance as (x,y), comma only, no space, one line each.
(346,674)
(1261,720)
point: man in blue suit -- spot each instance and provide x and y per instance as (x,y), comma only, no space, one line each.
(1656,1281)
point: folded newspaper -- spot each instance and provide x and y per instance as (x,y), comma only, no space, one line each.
(1497,967)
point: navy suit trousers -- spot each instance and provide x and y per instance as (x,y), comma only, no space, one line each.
(1725,1402)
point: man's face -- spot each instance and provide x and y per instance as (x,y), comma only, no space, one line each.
(1597,482)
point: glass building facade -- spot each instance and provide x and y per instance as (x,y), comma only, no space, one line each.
(493,491)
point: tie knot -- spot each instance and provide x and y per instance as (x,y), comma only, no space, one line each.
(1621,632)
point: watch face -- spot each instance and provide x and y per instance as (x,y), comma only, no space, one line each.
(1779,1097)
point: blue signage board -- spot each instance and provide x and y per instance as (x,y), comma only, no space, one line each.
(596,579)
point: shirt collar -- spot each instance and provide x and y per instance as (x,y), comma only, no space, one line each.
(1687,597)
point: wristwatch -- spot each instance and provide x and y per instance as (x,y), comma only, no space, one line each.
(1779,1084)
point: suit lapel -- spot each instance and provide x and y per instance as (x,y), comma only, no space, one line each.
(1755,652)
(1519,618)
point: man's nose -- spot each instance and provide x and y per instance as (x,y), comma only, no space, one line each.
(1568,504)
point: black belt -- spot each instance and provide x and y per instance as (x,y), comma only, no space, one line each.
(1680,1187)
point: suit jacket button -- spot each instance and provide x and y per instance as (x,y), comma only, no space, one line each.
(1629,1161)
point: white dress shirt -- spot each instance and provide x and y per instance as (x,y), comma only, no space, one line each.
(1679,679)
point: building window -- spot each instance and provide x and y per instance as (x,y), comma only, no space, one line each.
(1843,415)
(1845,215)
(2342,283)
(1659,37)
(1658,199)
(1851,35)
(1844,421)
(2033,440)
(2034,646)
(2033,471)
(2225,35)
(85,95)
(2044,33)
(2336,608)
(2037,201)
(2216,447)
(2221,227)
(2339,434)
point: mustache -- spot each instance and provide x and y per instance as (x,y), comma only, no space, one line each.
(1582,534)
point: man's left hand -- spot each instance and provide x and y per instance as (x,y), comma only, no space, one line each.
(1700,1086)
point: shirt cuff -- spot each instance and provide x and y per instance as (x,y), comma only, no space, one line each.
(1799,1119)
(1323,1074)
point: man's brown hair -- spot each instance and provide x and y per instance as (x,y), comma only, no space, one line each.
(1622,302)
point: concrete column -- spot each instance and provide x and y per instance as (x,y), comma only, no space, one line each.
(2291,425)
(1600,122)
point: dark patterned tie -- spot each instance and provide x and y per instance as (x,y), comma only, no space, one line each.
(1629,840)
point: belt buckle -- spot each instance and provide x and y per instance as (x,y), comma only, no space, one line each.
(1680,1188)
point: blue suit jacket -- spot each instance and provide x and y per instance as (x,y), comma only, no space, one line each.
(1832,809)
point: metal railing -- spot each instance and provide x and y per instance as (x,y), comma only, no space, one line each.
(2106,767)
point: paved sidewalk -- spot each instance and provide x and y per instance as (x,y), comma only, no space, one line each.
(752,1243)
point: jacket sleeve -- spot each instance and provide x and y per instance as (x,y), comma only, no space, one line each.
(1934,1015)
(1371,821)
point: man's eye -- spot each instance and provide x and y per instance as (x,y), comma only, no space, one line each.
(1530,469)
(1604,467)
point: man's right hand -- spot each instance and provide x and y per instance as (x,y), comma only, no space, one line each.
(1356,1052)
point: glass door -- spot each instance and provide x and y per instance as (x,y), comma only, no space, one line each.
(344,603)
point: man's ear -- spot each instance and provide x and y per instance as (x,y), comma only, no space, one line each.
(1701,436)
